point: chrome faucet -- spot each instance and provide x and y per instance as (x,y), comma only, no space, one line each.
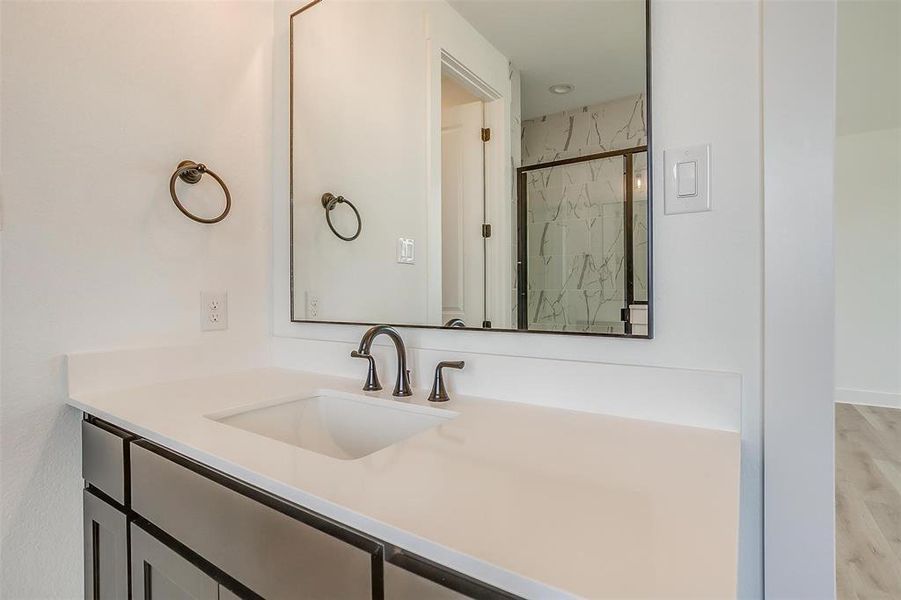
(402,387)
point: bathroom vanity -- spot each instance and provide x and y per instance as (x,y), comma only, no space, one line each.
(196,489)
(443,175)
(170,527)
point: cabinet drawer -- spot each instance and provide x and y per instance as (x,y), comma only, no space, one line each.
(411,577)
(270,552)
(404,585)
(103,449)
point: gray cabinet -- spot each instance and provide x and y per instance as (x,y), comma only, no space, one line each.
(105,550)
(275,554)
(103,458)
(209,528)
(401,584)
(159,573)
(227,594)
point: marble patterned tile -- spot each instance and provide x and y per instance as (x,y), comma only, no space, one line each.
(640,250)
(588,130)
(575,215)
(545,239)
(554,272)
(640,227)
(576,237)
(537,267)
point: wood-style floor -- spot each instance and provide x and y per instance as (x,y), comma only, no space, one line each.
(868,502)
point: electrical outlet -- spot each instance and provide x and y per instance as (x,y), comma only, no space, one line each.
(213,311)
(312,305)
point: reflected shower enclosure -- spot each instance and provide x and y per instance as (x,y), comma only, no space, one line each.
(582,219)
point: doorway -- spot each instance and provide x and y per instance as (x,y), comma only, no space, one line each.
(868,300)
(463,251)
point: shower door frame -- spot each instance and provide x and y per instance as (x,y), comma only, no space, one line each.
(522,253)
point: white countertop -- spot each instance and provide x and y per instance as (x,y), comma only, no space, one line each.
(539,501)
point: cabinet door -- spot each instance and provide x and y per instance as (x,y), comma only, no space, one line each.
(159,573)
(227,594)
(404,585)
(105,550)
(276,555)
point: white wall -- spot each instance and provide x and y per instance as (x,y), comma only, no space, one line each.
(868,203)
(708,267)
(379,158)
(868,268)
(99,103)
(375,158)
(799,141)
(66,236)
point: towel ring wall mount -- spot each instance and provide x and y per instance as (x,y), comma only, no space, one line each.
(329,202)
(191,173)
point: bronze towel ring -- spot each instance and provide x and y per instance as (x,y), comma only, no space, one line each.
(191,172)
(329,202)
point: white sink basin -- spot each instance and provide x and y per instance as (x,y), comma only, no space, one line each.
(339,425)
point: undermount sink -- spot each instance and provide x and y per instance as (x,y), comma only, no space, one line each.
(339,425)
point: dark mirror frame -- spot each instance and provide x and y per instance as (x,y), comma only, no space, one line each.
(518,234)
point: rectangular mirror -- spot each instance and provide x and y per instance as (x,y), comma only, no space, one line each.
(472,163)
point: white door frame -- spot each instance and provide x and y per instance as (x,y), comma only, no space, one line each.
(498,187)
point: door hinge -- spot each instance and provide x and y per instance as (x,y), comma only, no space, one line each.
(486,134)
(486,230)
(486,324)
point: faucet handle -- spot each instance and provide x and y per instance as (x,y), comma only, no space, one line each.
(372,377)
(439,392)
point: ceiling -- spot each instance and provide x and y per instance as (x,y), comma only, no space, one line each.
(598,46)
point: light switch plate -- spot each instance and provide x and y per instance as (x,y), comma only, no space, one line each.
(686,179)
(406,251)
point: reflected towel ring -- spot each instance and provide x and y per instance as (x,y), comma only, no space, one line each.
(191,172)
(329,202)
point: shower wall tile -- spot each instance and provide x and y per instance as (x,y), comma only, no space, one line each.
(537,270)
(603,127)
(575,239)
(640,249)
(553,273)
(576,259)
(640,226)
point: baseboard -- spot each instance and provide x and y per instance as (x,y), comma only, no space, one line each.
(868,398)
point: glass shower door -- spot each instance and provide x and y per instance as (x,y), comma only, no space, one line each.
(572,223)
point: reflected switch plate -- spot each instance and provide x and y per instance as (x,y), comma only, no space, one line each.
(687,179)
(405,251)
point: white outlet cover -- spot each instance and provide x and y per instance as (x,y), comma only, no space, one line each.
(312,305)
(213,311)
(686,177)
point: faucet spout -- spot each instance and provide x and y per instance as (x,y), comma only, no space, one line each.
(402,385)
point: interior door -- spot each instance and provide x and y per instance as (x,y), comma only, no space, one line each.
(462,214)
